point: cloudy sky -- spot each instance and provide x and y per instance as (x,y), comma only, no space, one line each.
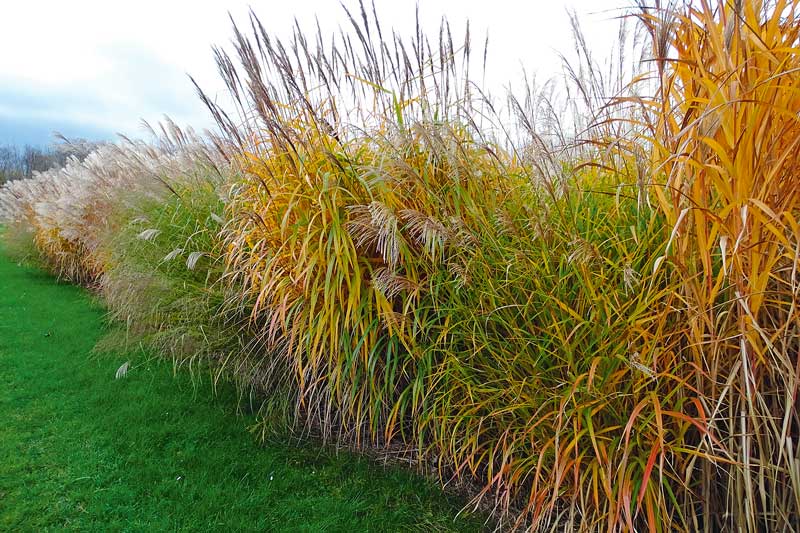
(91,68)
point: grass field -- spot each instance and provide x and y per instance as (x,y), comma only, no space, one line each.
(81,450)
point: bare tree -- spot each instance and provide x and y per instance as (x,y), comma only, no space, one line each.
(21,162)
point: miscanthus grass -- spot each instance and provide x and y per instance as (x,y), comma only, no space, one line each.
(583,303)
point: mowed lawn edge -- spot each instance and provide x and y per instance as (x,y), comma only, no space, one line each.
(153,451)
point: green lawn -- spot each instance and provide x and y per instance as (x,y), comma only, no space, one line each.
(81,450)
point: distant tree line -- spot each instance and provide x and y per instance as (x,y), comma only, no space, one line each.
(19,162)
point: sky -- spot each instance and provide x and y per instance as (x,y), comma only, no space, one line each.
(95,68)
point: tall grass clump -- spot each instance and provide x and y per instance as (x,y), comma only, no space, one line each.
(438,288)
(340,209)
(722,129)
(71,210)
